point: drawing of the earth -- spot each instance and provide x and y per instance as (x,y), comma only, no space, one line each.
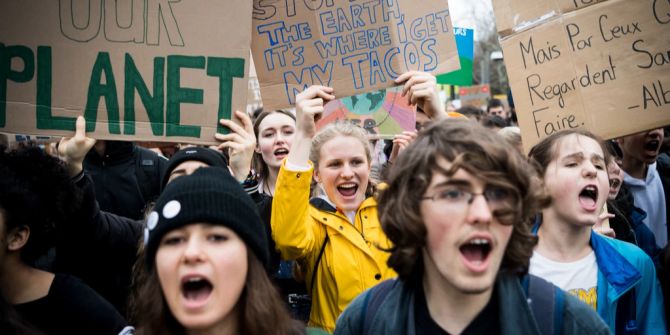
(366,103)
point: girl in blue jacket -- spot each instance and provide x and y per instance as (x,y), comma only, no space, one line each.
(615,278)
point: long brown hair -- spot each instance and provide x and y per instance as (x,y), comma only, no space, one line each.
(261,310)
(482,153)
(258,163)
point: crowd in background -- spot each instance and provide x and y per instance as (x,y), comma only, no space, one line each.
(285,229)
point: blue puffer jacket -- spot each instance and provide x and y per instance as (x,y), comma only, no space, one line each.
(621,267)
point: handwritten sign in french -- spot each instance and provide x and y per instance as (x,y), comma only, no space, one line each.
(158,70)
(602,65)
(355,46)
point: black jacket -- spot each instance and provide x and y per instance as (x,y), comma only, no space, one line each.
(621,224)
(99,247)
(71,307)
(126,177)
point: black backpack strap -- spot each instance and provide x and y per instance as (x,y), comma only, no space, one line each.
(626,314)
(547,303)
(373,300)
(318,262)
(148,166)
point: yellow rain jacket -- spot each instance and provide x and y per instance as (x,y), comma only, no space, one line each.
(350,262)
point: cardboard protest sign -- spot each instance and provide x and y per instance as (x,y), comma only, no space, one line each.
(161,70)
(465,42)
(605,66)
(382,113)
(516,15)
(352,46)
(477,95)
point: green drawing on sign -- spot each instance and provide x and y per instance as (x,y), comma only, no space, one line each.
(44,118)
(176,95)
(152,104)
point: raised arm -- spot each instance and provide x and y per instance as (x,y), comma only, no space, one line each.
(292,230)
(308,109)
(240,142)
(105,231)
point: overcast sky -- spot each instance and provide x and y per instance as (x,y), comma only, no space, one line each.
(461,12)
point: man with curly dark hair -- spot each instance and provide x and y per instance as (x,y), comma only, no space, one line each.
(458,209)
(37,199)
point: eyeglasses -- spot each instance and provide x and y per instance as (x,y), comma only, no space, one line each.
(456,198)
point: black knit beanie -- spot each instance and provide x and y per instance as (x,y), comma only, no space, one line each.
(206,155)
(209,195)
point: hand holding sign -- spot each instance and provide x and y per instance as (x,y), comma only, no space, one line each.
(353,46)
(137,70)
(421,90)
(240,142)
(73,149)
(309,107)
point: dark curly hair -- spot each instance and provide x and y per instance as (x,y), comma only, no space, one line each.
(480,152)
(35,192)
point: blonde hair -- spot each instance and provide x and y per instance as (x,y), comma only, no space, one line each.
(334,130)
(341,129)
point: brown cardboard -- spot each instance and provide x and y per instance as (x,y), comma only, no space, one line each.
(211,37)
(627,88)
(288,41)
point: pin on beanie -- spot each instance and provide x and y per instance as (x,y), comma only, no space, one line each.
(209,195)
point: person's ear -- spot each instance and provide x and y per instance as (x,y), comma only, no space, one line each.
(316,175)
(17,238)
(257,149)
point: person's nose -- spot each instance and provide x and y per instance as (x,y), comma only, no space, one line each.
(280,138)
(589,170)
(347,171)
(479,210)
(193,251)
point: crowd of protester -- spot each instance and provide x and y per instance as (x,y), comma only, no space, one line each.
(285,229)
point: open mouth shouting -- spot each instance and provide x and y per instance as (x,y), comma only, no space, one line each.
(475,253)
(280,153)
(652,147)
(196,291)
(347,190)
(588,198)
(614,186)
